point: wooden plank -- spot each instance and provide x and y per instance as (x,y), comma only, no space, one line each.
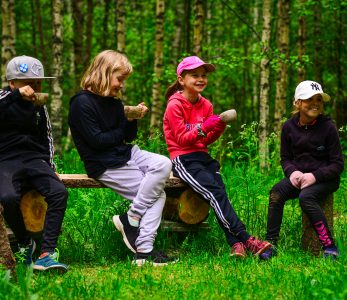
(182,227)
(83,181)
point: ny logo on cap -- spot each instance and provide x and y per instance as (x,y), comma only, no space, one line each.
(35,68)
(315,86)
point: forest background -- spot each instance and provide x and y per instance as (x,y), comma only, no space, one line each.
(262,50)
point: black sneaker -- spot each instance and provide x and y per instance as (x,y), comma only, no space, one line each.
(130,233)
(156,258)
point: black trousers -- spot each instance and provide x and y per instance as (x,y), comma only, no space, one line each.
(201,173)
(309,199)
(20,174)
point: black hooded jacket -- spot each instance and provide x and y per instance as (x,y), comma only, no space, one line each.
(312,149)
(100,131)
(25,129)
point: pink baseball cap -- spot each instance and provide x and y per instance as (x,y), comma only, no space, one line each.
(191,63)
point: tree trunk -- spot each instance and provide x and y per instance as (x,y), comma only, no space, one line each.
(302,44)
(56,104)
(120,13)
(177,42)
(105,31)
(89,31)
(6,255)
(40,30)
(187,10)
(255,70)
(157,107)
(264,86)
(282,73)
(318,41)
(198,26)
(33,27)
(78,19)
(8,41)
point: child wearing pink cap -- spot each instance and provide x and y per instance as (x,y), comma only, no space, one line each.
(189,127)
(311,158)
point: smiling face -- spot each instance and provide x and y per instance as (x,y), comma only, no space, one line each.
(310,108)
(117,83)
(193,83)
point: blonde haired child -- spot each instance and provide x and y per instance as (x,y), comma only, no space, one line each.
(102,135)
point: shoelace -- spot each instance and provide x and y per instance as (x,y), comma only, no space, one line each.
(55,255)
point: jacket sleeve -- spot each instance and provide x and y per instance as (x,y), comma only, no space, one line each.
(12,103)
(213,135)
(336,165)
(175,117)
(45,135)
(84,118)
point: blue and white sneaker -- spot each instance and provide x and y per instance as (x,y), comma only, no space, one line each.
(25,253)
(331,252)
(49,261)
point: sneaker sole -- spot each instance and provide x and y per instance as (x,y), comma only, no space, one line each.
(58,268)
(142,262)
(238,255)
(116,221)
(262,250)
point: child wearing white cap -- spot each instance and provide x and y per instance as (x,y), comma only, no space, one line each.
(311,158)
(26,160)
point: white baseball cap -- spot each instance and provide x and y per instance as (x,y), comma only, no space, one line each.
(25,67)
(308,88)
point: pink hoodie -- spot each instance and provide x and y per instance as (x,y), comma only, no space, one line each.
(180,120)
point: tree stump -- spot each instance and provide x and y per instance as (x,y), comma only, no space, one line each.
(33,207)
(187,207)
(6,256)
(309,239)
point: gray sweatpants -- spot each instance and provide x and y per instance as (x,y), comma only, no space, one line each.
(142,181)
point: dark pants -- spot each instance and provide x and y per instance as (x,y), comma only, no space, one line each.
(201,173)
(18,175)
(309,199)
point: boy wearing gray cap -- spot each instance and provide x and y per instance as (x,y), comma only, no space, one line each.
(26,159)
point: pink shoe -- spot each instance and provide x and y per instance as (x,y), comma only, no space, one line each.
(238,250)
(256,246)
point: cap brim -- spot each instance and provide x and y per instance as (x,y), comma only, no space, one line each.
(24,78)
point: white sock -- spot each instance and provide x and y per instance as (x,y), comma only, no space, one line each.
(133,221)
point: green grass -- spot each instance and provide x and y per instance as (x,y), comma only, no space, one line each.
(199,275)
(100,264)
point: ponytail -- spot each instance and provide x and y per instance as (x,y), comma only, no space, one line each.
(173,88)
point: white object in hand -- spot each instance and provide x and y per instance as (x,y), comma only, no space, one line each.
(228,116)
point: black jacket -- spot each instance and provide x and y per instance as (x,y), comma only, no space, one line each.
(100,131)
(25,129)
(312,148)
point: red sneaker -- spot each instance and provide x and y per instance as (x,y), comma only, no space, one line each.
(238,249)
(256,246)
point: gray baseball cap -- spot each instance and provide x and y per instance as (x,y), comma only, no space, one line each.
(25,67)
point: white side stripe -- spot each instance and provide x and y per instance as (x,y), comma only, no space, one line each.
(49,136)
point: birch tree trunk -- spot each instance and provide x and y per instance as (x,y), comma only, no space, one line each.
(177,43)
(120,13)
(264,86)
(40,30)
(282,73)
(8,50)
(156,111)
(198,26)
(301,43)
(56,103)
(255,69)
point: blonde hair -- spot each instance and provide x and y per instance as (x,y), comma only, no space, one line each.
(97,78)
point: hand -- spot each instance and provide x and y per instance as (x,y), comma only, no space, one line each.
(211,123)
(295,179)
(144,109)
(307,179)
(220,127)
(27,93)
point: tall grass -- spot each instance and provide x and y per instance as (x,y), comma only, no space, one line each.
(100,264)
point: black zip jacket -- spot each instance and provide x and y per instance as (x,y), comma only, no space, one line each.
(312,149)
(25,129)
(100,131)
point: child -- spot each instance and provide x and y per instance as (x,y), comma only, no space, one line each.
(102,134)
(26,160)
(189,127)
(311,158)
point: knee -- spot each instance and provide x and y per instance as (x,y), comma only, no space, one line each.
(165,165)
(59,196)
(8,197)
(275,197)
